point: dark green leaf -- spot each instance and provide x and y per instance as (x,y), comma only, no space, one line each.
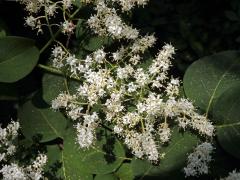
(43,121)
(105,177)
(18,57)
(80,30)
(59,166)
(125,172)
(226,113)
(206,79)
(77,3)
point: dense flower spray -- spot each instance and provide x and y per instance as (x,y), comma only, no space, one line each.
(139,100)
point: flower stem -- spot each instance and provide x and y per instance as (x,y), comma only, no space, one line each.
(56,71)
(53,36)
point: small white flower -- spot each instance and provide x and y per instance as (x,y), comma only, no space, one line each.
(31,21)
(67,3)
(117,129)
(99,56)
(164,133)
(62,101)
(58,55)
(141,77)
(51,9)
(68,27)
(135,59)
(132,87)
(141,44)
(114,25)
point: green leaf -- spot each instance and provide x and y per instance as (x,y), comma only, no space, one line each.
(125,172)
(206,79)
(226,113)
(105,157)
(77,3)
(106,177)
(80,30)
(36,118)
(175,156)
(58,166)
(53,85)
(96,42)
(18,57)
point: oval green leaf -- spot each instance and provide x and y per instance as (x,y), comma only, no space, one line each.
(226,113)
(206,79)
(18,57)
(38,119)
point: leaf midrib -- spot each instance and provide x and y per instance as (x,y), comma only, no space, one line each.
(228,125)
(216,88)
(10,59)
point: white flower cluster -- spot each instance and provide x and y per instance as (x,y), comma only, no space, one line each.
(7,135)
(107,22)
(12,171)
(35,7)
(32,172)
(86,130)
(234,175)
(142,144)
(118,87)
(140,101)
(199,159)
(129,4)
